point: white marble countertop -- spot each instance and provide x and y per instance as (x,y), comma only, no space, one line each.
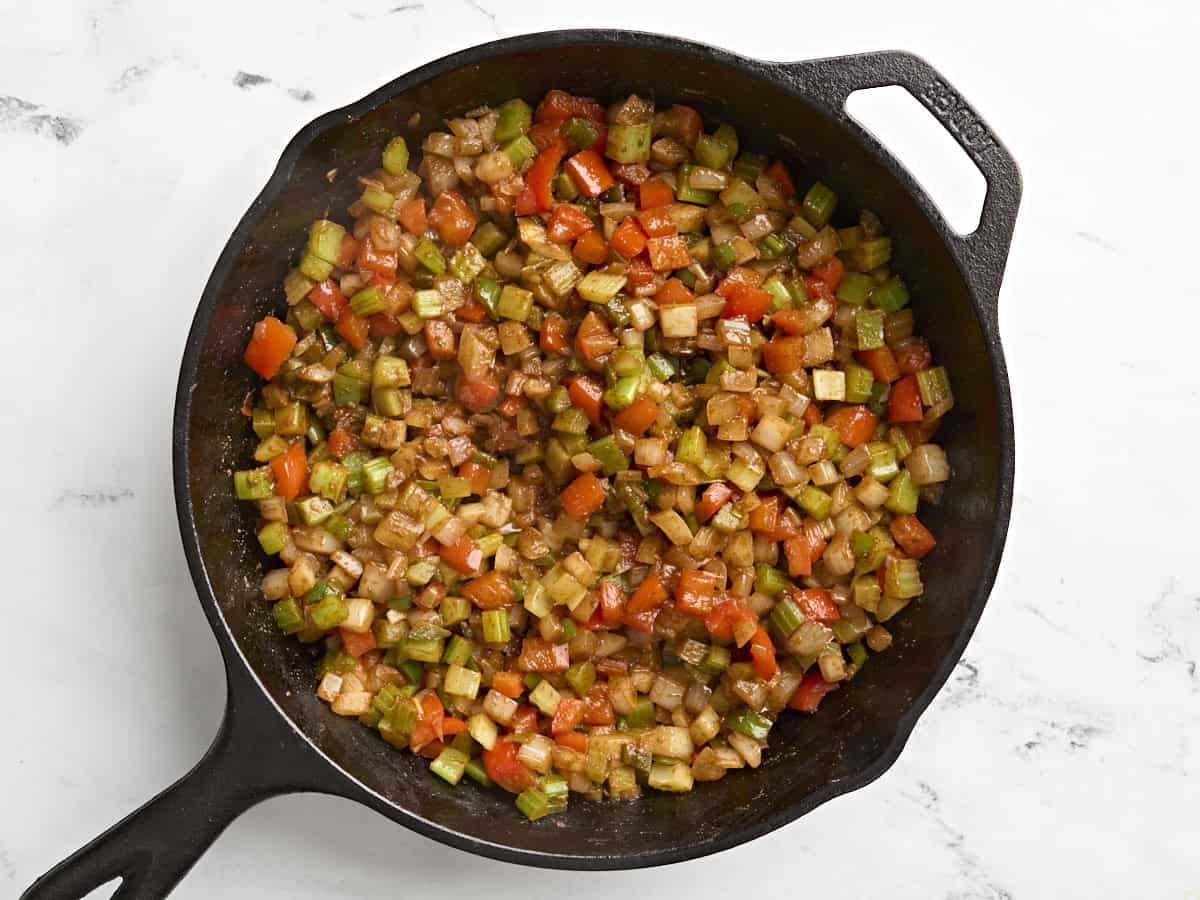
(1061,759)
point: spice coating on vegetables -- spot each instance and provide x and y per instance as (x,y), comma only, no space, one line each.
(589,448)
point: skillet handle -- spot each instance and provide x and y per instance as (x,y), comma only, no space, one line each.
(151,849)
(982,254)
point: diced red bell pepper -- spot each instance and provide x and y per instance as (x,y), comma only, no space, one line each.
(650,595)
(505,769)
(810,692)
(592,248)
(593,338)
(354,329)
(638,416)
(762,655)
(628,239)
(696,592)
(567,715)
(817,604)
(799,556)
(327,297)
(489,591)
(509,684)
(412,215)
(597,708)
(913,537)
(568,222)
(738,277)
(657,222)
(453,218)
(673,291)
(291,471)
(655,193)
(342,443)
(348,252)
(831,271)
(612,604)
(478,396)
(478,477)
(558,105)
(440,339)
(356,644)
(881,362)
(538,195)
(750,303)
(725,615)
(583,496)
(667,253)
(538,655)
(638,273)
(912,355)
(590,174)
(463,555)
(777,173)
(855,425)
(587,394)
(783,355)
(270,344)
(371,259)
(714,497)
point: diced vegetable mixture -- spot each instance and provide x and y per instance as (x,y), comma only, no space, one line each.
(589,447)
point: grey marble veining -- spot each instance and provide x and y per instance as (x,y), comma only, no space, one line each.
(1060,759)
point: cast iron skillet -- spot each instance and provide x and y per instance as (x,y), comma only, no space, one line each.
(277,737)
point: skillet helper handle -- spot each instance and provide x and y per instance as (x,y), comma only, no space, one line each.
(152,848)
(982,254)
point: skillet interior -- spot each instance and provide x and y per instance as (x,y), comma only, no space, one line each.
(854,737)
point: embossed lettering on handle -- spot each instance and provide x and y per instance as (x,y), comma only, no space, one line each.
(941,100)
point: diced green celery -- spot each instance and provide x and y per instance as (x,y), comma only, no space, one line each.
(288,615)
(325,241)
(903,496)
(515,303)
(600,287)
(461,681)
(564,188)
(430,256)
(819,204)
(749,723)
(859,382)
(533,804)
(684,193)
(883,466)
(291,420)
(513,118)
(272,537)
(934,385)
(581,676)
(855,288)
(390,372)
(857,653)
(253,484)
(780,298)
(902,579)
(611,457)
(375,474)
(520,150)
(488,239)
(395,156)
(712,151)
(450,765)
(641,716)
(477,773)
(623,393)
(743,475)
(871,254)
(314,510)
(628,143)
(329,613)
(692,446)
(722,255)
(580,133)
(424,649)
(263,422)
(868,329)
(815,502)
(378,200)
(769,580)
(428,304)
(347,391)
(670,775)
(660,368)
(786,617)
(890,296)
(749,166)
(571,421)
(495,626)
(728,519)
(312,266)
(458,651)
(467,263)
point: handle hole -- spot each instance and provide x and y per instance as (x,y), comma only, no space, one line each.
(106,891)
(917,139)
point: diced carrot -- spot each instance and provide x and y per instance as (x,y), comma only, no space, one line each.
(650,595)
(354,329)
(904,403)
(593,338)
(587,394)
(291,471)
(583,496)
(855,425)
(655,193)
(643,621)
(881,362)
(657,222)
(490,591)
(762,655)
(668,253)
(568,222)
(463,555)
(553,336)
(384,325)
(510,684)
(913,537)
(673,291)
(356,644)
(592,248)
(270,344)
(638,273)
(588,171)
(638,416)
(412,215)
(628,240)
